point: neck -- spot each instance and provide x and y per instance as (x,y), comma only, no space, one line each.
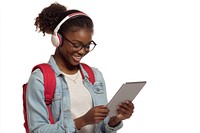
(63,64)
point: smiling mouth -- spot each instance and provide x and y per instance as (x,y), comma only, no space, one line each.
(77,58)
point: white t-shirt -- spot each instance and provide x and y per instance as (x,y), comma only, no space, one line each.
(80,98)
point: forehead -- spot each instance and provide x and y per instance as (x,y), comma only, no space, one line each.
(81,33)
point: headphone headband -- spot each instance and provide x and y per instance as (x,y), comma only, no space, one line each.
(75,14)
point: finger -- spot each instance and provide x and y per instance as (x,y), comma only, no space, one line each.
(129,103)
(101,114)
(125,114)
(99,119)
(124,106)
(124,109)
(102,109)
(128,106)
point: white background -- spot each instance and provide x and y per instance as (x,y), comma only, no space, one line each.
(152,40)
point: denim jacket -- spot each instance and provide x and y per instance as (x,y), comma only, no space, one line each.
(36,108)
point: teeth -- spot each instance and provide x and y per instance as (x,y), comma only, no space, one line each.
(77,58)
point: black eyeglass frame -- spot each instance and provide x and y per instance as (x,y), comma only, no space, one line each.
(78,48)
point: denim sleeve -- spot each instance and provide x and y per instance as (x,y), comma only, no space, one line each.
(109,129)
(37,113)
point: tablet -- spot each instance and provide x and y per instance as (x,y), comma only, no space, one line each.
(128,91)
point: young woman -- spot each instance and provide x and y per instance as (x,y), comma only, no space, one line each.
(78,106)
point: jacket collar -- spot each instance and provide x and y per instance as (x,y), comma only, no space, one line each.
(57,71)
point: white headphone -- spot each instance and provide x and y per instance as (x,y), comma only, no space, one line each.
(56,38)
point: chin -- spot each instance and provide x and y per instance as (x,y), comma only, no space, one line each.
(75,63)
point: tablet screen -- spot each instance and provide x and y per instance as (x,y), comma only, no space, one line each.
(128,91)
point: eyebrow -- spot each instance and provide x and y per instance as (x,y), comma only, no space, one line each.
(80,42)
(77,41)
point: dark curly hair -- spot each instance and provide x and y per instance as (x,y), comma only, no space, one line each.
(51,16)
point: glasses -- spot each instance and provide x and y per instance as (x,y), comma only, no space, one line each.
(78,46)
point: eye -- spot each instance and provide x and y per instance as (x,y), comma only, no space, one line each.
(77,45)
(87,46)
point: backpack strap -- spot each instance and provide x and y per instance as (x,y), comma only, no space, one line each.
(89,71)
(24,107)
(49,85)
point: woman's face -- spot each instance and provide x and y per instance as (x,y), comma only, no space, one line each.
(72,49)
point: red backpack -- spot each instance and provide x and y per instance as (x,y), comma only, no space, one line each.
(49,88)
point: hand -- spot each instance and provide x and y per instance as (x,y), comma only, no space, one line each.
(96,115)
(124,111)
(93,116)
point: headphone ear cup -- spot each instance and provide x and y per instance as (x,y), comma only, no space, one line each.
(56,40)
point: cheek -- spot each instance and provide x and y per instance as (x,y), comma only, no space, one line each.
(65,51)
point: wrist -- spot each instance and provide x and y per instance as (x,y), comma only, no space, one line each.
(114,121)
(79,123)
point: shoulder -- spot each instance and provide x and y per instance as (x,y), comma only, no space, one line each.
(96,71)
(36,75)
(98,74)
(35,82)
